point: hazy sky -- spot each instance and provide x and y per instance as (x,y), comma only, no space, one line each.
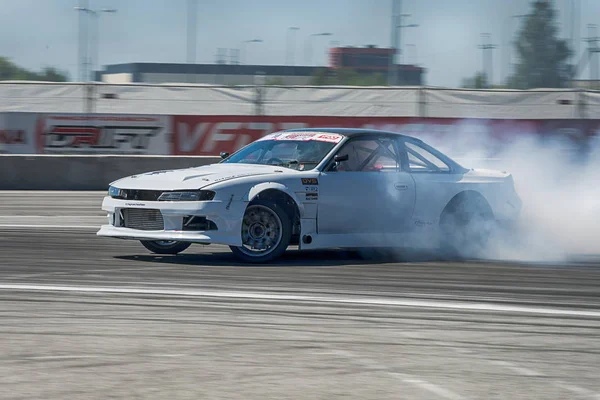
(36,33)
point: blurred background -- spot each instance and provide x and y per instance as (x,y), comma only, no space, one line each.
(457,43)
(211,76)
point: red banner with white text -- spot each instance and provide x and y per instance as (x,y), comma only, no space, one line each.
(210,135)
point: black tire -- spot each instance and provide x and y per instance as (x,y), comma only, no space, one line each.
(466,227)
(264,233)
(164,246)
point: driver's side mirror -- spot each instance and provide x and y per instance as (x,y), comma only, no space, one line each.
(224,155)
(337,159)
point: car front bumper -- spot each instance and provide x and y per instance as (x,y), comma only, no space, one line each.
(227,217)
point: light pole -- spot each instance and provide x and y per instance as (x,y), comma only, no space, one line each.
(400,27)
(396,6)
(192,16)
(593,51)
(83,43)
(308,49)
(486,45)
(291,44)
(507,48)
(332,44)
(96,15)
(414,56)
(400,38)
(243,55)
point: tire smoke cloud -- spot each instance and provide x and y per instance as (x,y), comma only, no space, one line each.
(558,179)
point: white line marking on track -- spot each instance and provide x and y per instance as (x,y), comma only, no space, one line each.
(533,373)
(29,226)
(33,275)
(65,357)
(86,272)
(486,307)
(87,356)
(578,390)
(44,193)
(512,366)
(403,377)
(55,216)
(173,355)
(518,369)
(437,390)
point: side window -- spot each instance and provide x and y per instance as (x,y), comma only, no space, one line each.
(368,154)
(421,160)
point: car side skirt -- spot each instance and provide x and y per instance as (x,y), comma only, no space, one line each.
(420,240)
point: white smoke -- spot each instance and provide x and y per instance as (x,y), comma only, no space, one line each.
(558,183)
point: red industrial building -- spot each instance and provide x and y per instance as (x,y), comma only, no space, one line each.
(372,59)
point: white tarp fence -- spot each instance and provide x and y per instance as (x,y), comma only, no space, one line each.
(169,99)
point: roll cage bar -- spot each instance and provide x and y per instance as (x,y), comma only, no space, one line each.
(401,155)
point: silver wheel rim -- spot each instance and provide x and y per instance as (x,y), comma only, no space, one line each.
(261,231)
(166,243)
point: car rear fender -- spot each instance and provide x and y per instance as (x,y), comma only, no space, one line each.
(471,198)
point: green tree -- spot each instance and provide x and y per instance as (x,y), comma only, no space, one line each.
(346,77)
(377,79)
(274,82)
(319,77)
(543,57)
(479,81)
(51,74)
(9,71)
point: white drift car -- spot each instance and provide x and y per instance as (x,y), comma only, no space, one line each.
(317,188)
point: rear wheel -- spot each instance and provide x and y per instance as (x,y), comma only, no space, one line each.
(266,232)
(165,246)
(466,227)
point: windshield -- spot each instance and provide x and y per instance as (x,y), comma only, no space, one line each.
(299,150)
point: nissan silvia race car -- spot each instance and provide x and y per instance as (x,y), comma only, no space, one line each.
(315,188)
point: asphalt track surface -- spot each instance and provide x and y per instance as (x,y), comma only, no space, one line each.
(84,317)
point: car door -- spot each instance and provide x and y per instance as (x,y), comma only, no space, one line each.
(367,191)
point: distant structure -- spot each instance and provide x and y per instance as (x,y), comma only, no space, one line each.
(364,60)
(214,74)
(589,84)
(371,59)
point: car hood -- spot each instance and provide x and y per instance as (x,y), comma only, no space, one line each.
(195,178)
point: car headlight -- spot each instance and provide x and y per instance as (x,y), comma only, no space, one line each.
(197,195)
(115,192)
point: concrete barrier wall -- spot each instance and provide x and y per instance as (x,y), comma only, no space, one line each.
(89,172)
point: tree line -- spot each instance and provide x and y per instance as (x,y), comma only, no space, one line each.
(9,71)
(543,58)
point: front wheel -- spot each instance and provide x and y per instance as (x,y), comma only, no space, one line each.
(165,246)
(266,232)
